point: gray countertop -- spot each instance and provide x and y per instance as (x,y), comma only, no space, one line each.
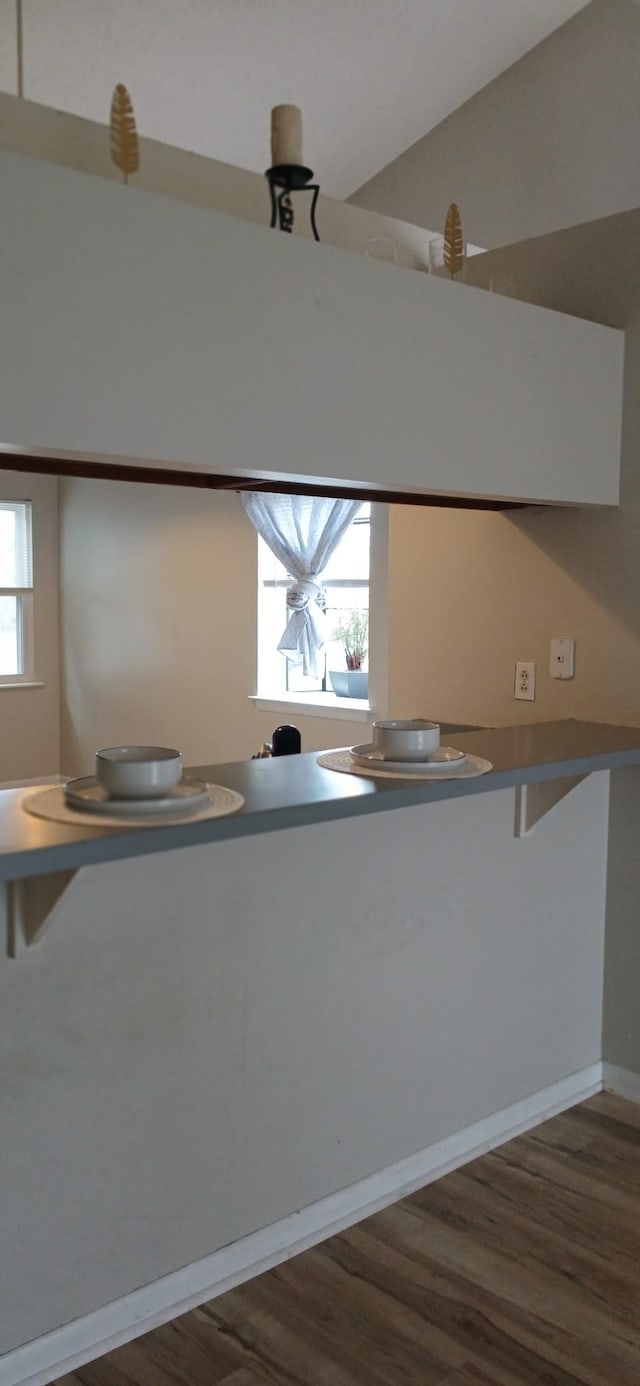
(294,791)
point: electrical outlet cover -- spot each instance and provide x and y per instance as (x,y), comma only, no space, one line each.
(525,681)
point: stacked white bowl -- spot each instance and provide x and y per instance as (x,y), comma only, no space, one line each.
(138,772)
(412,740)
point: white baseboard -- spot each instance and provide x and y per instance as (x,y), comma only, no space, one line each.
(42,1360)
(622,1081)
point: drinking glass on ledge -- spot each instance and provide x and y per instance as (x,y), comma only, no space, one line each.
(436,255)
(436,260)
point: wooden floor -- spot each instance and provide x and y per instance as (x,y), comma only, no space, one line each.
(521,1268)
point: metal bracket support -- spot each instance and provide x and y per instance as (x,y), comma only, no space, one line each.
(33,904)
(533,801)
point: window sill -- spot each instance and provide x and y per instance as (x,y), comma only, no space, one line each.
(22,683)
(320,705)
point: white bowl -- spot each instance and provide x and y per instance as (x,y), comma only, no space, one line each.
(138,772)
(414,739)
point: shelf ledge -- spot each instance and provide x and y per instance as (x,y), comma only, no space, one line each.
(33,903)
(534,801)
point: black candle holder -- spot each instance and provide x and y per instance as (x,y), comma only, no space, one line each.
(290,178)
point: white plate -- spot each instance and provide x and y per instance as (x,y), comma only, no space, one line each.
(91,797)
(445,758)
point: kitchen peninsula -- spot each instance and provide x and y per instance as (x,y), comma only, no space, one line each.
(271,1023)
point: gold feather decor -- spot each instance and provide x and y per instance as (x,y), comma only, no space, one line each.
(123,134)
(453,243)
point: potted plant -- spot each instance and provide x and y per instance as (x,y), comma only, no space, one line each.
(352,632)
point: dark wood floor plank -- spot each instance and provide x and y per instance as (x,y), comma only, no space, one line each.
(480,1212)
(349,1324)
(561,1134)
(613,1152)
(369,1275)
(98,1373)
(287,1347)
(244,1377)
(386,1331)
(176,1354)
(520,1269)
(555,1171)
(532,1289)
(471,1320)
(200,1350)
(576,1213)
(470,1375)
(607,1104)
(611,1157)
(606,1126)
(515,1344)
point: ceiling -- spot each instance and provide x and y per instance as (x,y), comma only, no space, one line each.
(371,76)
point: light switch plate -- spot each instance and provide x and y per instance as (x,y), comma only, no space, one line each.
(562,657)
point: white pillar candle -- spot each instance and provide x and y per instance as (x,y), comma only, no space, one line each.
(286,135)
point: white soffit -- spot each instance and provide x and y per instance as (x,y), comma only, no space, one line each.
(372,76)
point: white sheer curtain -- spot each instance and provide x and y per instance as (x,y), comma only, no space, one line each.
(302,532)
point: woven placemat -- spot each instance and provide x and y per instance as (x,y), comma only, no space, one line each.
(343,762)
(51,804)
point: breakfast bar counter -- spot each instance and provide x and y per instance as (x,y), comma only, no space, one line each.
(294,791)
(236,1050)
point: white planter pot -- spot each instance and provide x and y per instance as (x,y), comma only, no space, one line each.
(349,683)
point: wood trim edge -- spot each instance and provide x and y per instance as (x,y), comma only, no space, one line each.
(209,481)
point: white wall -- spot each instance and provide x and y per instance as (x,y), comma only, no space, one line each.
(585,574)
(159,603)
(551,142)
(550,572)
(621,1017)
(211,1039)
(143,328)
(29,717)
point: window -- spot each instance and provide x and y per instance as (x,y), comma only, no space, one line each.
(346,592)
(16,592)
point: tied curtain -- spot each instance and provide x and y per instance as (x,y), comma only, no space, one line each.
(302,532)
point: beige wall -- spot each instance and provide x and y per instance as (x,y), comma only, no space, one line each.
(552,142)
(29,717)
(472,593)
(159,636)
(159,589)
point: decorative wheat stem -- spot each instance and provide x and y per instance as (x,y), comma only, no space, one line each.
(123,134)
(453,242)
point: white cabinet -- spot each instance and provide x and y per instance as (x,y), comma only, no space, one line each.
(137,327)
